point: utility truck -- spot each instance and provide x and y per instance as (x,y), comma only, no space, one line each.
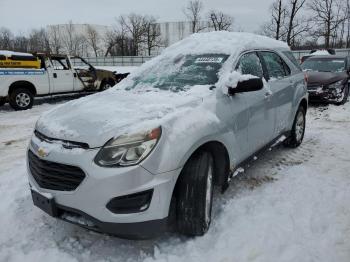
(57,74)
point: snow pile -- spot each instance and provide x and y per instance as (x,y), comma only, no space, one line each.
(11,53)
(290,205)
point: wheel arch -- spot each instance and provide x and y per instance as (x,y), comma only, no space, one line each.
(221,159)
(303,103)
(22,84)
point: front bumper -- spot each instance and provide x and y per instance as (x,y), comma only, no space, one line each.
(324,94)
(89,200)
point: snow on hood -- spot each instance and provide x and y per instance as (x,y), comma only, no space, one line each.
(97,118)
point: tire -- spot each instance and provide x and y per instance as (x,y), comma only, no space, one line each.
(297,134)
(21,99)
(2,101)
(195,195)
(106,85)
(345,98)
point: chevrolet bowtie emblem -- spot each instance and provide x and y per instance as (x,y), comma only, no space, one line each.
(42,152)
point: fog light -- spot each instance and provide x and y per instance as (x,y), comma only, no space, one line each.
(133,203)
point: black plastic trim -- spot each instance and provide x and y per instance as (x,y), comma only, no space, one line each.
(140,230)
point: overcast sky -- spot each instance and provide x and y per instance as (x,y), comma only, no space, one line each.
(22,15)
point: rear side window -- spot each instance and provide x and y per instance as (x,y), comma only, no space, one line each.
(292,58)
(250,64)
(275,65)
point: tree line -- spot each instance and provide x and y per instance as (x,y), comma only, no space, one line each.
(130,35)
(303,24)
(309,24)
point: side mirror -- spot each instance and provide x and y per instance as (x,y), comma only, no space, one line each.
(250,85)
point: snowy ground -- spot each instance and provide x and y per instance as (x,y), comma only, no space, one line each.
(291,205)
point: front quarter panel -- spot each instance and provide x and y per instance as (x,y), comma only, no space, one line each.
(193,127)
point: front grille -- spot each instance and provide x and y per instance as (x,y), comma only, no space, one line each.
(54,176)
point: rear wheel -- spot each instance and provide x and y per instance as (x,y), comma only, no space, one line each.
(195,195)
(298,130)
(21,99)
(106,84)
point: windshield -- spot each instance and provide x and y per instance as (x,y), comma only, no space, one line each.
(183,71)
(325,65)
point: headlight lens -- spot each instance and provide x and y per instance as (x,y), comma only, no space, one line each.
(335,85)
(128,150)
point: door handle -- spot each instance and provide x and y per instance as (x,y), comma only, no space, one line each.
(75,74)
(54,75)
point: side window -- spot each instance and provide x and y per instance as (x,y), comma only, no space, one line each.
(292,58)
(250,64)
(59,63)
(275,65)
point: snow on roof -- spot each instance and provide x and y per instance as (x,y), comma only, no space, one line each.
(11,53)
(321,52)
(223,42)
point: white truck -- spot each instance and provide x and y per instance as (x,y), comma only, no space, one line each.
(58,74)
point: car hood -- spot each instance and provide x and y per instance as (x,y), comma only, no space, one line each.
(95,119)
(325,78)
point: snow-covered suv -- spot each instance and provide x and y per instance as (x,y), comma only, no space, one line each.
(128,160)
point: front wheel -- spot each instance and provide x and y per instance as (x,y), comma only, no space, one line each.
(345,96)
(195,195)
(21,99)
(297,134)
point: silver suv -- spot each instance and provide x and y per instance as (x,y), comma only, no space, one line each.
(147,153)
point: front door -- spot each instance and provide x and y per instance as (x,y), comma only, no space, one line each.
(281,84)
(61,76)
(261,111)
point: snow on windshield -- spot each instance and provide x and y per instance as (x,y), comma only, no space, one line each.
(207,46)
(183,71)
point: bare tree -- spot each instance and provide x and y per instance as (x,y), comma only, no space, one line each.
(276,27)
(220,21)
(5,38)
(20,43)
(152,34)
(135,25)
(72,40)
(93,39)
(328,16)
(193,12)
(295,26)
(38,41)
(54,36)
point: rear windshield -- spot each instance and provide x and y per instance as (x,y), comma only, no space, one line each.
(334,65)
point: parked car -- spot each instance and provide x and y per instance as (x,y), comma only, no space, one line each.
(318,53)
(328,78)
(58,74)
(147,153)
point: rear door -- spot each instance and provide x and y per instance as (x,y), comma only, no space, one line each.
(261,112)
(61,76)
(281,83)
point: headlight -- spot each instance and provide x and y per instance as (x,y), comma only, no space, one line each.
(128,150)
(336,85)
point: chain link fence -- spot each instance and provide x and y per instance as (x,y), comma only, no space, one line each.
(139,60)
